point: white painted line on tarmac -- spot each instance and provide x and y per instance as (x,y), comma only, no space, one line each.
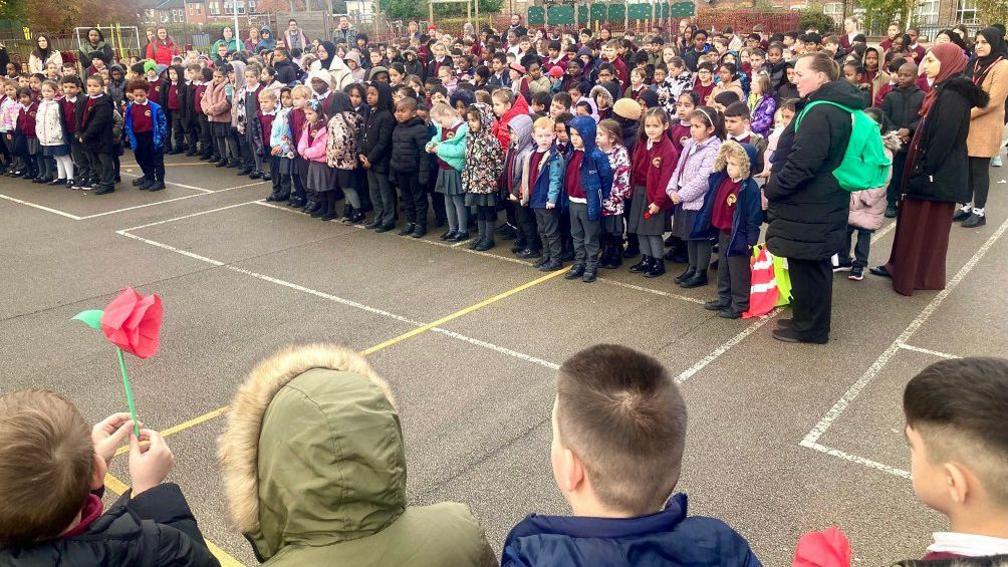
(812,438)
(173,184)
(321,294)
(725,347)
(860,460)
(41,207)
(183,217)
(882,232)
(939,354)
(652,291)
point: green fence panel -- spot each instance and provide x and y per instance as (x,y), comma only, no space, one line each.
(683,10)
(582,13)
(560,15)
(536,16)
(599,12)
(617,13)
(639,12)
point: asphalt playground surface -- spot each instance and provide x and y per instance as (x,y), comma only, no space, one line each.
(783,439)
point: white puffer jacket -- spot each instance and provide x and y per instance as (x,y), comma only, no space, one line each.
(49,124)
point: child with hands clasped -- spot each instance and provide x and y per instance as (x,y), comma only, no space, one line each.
(688,186)
(609,137)
(312,148)
(542,190)
(281,144)
(527,243)
(147,130)
(448,146)
(64,522)
(653,159)
(51,135)
(588,182)
(485,161)
(731,212)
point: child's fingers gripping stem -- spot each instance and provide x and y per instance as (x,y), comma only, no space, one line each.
(150,464)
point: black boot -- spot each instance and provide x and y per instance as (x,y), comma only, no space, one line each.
(633,246)
(657,269)
(643,266)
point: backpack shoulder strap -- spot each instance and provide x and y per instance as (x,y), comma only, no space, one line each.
(814,103)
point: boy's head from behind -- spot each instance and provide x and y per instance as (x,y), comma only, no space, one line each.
(619,429)
(48,466)
(955,424)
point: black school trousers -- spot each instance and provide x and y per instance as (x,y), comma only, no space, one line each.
(812,298)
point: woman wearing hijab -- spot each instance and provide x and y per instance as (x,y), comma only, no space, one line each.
(43,54)
(94,46)
(326,51)
(936,164)
(990,73)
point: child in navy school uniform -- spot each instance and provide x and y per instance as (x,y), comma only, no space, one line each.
(732,212)
(542,190)
(147,129)
(587,181)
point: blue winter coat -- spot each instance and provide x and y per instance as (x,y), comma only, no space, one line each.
(160,124)
(548,185)
(596,174)
(747,217)
(668,538)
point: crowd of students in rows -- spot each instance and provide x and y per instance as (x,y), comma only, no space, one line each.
(594,148)
(314,472)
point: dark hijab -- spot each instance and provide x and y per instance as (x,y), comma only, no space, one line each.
(330,49)
(998,48)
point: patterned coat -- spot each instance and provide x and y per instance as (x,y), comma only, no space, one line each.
(483,155)
(619,161)
(344,136)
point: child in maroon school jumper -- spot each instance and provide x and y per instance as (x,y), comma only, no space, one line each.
(26,143)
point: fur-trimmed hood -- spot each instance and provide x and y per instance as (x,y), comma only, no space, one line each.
(972,93)
(313,452)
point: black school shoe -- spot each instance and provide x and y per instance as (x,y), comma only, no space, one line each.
(788,335)
(156,186)
(575,272)
(409,228)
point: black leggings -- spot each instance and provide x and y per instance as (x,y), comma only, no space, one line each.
(979,180)
(486,213)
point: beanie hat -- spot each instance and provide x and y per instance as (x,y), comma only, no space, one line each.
(149,65)
(627,108)
(556,72)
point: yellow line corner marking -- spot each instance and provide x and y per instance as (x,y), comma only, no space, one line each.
(226,560)
(119,487)
(461,313)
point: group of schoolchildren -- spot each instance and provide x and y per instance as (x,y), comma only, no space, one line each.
(314,470)
(602,148)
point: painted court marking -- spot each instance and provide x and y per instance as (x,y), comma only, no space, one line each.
(939,354)
(811,440)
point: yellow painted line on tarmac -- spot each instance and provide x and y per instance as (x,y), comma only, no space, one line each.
(199,420)
(226,560)
(462,312)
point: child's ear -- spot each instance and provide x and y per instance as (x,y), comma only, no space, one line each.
(957,481)
(98,474)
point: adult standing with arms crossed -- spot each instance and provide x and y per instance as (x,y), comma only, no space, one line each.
(936,166)
(990,73)
(807,209)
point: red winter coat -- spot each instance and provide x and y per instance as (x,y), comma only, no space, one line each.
(162,53)
(500,126)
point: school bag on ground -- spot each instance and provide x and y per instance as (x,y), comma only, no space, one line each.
(865,164)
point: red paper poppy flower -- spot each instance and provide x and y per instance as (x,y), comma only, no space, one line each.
(132,322)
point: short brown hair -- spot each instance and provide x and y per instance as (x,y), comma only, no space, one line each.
(504,95)
(46,464)
(621,413)
(959,407)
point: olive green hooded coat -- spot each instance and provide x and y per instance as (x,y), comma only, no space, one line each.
(315,470)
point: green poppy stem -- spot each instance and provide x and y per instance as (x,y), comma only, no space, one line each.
(129,393)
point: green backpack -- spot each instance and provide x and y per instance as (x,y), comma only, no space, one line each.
(865,164)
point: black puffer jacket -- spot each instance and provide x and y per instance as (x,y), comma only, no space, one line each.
(942,167)
(94,127)
(408,154)
(807,209)
(155,528)
(376,143)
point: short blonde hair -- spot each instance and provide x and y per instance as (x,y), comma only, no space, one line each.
(46,465)
(503,95)
(301,90)
(544,123)
(442,109)
(268,94)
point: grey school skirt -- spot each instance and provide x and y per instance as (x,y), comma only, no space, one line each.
(657,225)
(449,182)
